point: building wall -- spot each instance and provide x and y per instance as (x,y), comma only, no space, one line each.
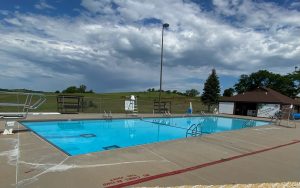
(226,107)
(267,110)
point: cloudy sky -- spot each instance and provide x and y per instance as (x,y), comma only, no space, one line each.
(114,45)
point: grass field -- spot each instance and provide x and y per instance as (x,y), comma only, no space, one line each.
(114,102)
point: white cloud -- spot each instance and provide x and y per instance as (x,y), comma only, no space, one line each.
(109,48)
(42,4)
(295,4)
(98,6)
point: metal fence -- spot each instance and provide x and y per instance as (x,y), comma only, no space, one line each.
(116,105)
(99,105)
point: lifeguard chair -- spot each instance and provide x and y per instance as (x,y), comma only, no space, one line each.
(131,106)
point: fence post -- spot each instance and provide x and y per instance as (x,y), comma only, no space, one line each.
(100,104)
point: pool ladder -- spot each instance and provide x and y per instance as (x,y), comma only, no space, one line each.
(194,130)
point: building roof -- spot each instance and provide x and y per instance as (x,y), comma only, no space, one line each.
(261,95)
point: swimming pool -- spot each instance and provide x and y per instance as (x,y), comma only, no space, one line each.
(86,136)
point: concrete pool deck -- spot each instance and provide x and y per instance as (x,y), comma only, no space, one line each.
(253,155)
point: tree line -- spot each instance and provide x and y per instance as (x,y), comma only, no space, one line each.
(288,84)
(189,93)
(73,89)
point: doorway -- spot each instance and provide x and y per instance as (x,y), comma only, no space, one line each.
(244,109)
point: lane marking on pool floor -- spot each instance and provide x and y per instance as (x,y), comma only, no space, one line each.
(180,171)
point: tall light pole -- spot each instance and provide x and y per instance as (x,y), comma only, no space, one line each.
(165,25)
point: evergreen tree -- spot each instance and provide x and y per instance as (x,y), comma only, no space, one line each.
(211,91)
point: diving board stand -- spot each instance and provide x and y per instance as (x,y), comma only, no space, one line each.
(23,102)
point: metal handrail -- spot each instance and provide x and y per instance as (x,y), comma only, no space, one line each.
(193,130)
(285,112)
(38,103)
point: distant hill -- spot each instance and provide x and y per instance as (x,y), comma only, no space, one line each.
(21,90)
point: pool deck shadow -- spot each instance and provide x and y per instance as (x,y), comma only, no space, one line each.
(252,155)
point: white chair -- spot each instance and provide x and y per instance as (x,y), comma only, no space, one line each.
(168,114)
(216,111)
(106,115)
(202,113)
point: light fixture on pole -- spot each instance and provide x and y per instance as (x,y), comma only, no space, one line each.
(165,25)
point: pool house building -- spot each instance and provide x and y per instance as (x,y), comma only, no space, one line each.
(260,102)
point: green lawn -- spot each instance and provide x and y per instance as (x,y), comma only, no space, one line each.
(114,102)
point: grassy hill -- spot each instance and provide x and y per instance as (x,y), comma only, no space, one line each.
(114,102)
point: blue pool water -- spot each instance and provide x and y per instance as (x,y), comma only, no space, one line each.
(86,136)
